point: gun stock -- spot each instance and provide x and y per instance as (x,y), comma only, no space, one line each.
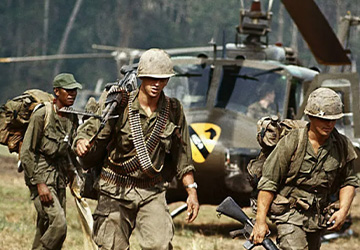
(231,209)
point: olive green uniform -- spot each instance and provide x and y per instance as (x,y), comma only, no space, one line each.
(257,111)
(319,176)
(44,157)
(134,200)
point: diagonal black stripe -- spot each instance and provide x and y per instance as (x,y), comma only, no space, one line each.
(198,143)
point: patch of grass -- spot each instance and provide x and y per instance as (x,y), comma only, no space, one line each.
(208,232)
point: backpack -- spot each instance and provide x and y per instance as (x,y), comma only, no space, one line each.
(15,116)
(269,131)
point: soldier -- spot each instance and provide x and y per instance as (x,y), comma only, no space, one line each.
(322,166)
(45,158)
(265,106)
(132,180)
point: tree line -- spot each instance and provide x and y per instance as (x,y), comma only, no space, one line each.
(47,27)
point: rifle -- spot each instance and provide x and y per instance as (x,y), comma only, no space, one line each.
(231,209)
(114,97)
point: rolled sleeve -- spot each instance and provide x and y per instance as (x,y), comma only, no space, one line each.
(347,175)
(349,178)
(266,184)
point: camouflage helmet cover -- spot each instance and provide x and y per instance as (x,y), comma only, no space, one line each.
(324,103)
(155,63)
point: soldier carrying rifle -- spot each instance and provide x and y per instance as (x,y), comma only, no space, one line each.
(144,147)
(47,164)
(306,167)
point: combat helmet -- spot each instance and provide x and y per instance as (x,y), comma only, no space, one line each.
(155,63)
(324,103)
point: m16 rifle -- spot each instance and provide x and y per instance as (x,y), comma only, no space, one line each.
(231,209)
(114,98)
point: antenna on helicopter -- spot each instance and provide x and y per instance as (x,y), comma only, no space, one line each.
(255,23)
(213,43)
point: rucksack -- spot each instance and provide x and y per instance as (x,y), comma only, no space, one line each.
(15,116)
(269,131)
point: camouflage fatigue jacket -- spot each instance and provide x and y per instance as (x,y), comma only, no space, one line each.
(115,142)
(44,152)
(319,176)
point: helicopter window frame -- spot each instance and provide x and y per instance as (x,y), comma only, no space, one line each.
(191,83)
(230,96)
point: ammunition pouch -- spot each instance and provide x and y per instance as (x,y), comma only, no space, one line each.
(280,205)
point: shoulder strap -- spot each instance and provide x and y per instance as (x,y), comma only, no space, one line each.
(48,107)
(176,105)
(297,158)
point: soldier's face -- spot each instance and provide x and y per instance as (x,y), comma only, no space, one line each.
(153,86)
(322,127)
(65,97)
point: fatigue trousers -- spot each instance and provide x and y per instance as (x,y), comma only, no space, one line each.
(115,220)
(292,237)
(51,221)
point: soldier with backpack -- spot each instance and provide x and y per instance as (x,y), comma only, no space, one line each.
(144,147)
(307,166)
(46,160)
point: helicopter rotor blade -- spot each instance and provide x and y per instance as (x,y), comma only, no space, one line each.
(317,32)
(54,57)
(170,51)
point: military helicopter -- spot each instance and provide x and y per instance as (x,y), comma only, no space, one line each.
(218,91)
(217,84)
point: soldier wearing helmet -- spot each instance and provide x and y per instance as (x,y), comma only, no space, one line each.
(306,167)
(145,148)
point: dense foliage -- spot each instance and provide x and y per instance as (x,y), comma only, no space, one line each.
(46,27)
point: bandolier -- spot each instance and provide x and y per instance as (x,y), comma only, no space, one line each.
(119,173)
(138,153)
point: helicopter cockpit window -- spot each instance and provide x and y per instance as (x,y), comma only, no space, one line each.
(252,91)
(190,84)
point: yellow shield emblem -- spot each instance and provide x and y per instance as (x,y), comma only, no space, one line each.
(203,138)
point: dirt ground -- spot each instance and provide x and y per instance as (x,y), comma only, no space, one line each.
(208,231)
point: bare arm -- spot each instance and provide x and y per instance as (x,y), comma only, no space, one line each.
(346,197)
(261,228)
(192,200)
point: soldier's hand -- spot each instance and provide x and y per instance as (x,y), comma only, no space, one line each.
(338,218)
(259,232)
(82,147)
(192,206)
(44,194)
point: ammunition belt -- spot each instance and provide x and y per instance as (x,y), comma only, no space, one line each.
(128,181)
(116,90)
(143,150)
